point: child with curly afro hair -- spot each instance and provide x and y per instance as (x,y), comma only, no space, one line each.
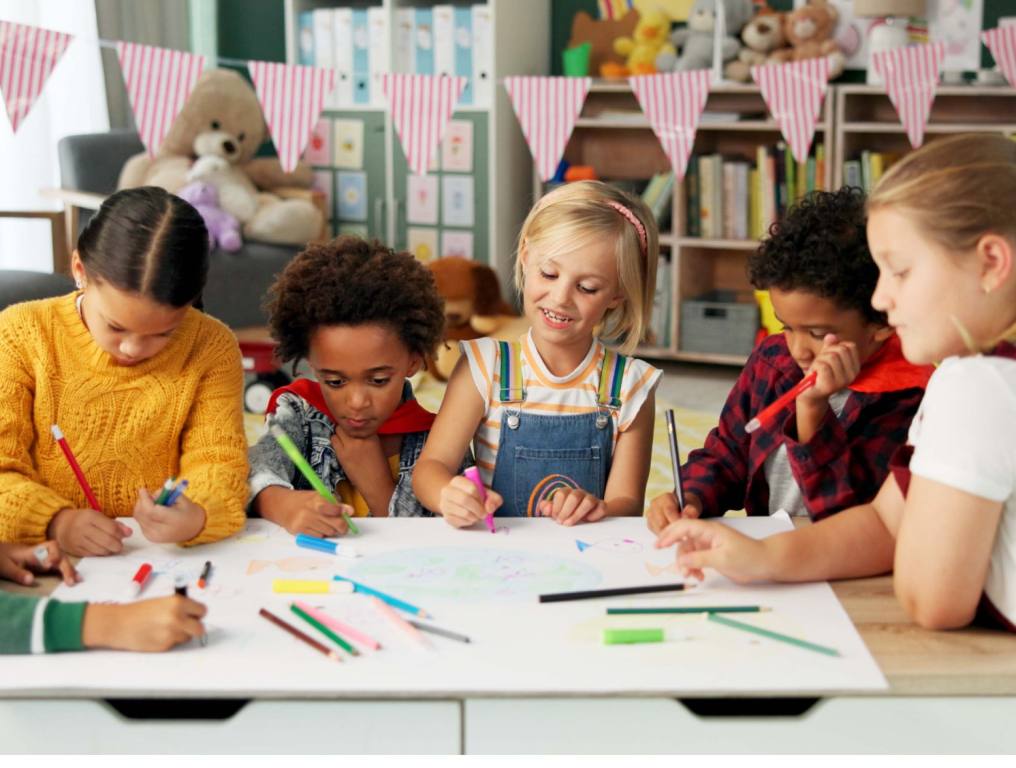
(830,449)
(363,317)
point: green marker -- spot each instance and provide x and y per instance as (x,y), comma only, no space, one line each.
(687,609)
(720,619)
(324,630)
(297,458)
(625,636)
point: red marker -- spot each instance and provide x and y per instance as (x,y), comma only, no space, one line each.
(473,475)
(138,582)
(768,413)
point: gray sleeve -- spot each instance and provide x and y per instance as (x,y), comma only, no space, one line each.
(269,465)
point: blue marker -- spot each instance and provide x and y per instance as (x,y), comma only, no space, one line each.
(394,602)
(176,494)
(324,545)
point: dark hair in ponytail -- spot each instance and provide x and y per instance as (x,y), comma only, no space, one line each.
(148,241)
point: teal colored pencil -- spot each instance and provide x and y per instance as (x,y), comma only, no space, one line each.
(394,602)
(290,449)
(721,619)
(687,609)
(326,631)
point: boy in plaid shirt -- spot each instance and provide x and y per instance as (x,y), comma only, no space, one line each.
(830,449)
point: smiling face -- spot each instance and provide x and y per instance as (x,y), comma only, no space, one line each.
(361,369)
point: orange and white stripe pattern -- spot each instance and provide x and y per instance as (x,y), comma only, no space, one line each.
(291,98)
(549,395)
(673,102)
(421,106)
(547,108)
(158,80)
(1002,44)
(793,92)
(28,56)
(911,77)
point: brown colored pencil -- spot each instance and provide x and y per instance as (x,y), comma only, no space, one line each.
(300,635)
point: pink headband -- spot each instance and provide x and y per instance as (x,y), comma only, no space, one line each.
(639,229)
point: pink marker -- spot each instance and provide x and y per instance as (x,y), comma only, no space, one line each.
(473,475)
(343,629)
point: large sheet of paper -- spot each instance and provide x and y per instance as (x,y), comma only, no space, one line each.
(473,582)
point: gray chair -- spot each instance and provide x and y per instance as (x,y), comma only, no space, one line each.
(16,286)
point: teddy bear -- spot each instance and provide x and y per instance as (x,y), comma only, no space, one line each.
(223,228)
(473,308)
(761,36)
(647,40)
(809,30)
(696,40)
(218,131)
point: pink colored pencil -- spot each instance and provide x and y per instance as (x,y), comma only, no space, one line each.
(343,629)
(404,625)
(768,413)
(75,467)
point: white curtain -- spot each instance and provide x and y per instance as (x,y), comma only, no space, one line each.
(72,101)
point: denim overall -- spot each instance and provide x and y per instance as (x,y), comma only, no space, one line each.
(540,454)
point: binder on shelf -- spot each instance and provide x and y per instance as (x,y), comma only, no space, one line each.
(305,38)
(483,57)
(403,53)
(343,46)
(463,33)
(361,57)
(423,41)
(380,53)
(444,40)
(322,22)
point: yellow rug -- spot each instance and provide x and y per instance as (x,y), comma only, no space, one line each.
(692,428)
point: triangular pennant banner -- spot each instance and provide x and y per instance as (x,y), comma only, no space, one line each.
(421,107)
(291,98)
(27,57)
(1002,44)
(673,102)
(547,108)
(911,77)
(793,92)
(159,80)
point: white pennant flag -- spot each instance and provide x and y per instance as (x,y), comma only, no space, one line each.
(27,57)
(547,108)
(793,92)
(159,80)
(911,77)
(291,98)
(1002,44)
(673,102)
(421,107)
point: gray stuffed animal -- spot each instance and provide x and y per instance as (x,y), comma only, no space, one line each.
(695,41)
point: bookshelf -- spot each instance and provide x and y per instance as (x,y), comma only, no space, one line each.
(614,137)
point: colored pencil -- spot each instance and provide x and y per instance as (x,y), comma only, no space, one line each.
(58,435)
(309,587)
(720,619)
(473,475)
(398,621)
(167,488)
(768,413)
(324,545)
(590,594)
(675,459)
(300,635)
(438,631)
(205,573)
(176,493)
(351,632)
(394,602)
(687,609)
(290,449)
(334,637)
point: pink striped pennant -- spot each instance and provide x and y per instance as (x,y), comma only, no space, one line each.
(673,102)
(1002,44)
(793,92)
(547,108)
(421,107)
(291,97)
(159,80)
(911,77)
(27,58)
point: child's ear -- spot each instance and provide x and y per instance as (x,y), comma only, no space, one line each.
(78,270)
(996,254)
(882,333)
(415,364)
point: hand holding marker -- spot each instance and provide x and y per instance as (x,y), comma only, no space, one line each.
(473,475)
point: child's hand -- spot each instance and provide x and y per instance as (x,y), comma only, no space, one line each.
(87,533)
(573,505)
(460,502)
(19,563)
(836,365)
(306,512)
(702,544)
(148,625)
(663,511)
(168,525)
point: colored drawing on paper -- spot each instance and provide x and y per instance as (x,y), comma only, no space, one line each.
(614,546)
(291,564)
(480,574)
(660,570)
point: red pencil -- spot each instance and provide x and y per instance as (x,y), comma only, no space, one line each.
(768,413)
(75,467)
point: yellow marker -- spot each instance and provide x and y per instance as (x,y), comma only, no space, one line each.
(310,587)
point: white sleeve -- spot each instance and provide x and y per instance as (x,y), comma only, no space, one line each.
(481,355)
(964,434)
(640,378)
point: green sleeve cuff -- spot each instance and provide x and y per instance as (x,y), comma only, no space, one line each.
(62,626)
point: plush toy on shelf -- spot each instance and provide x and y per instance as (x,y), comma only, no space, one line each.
(695,42)
(809,30)
(649,39)
(761,37)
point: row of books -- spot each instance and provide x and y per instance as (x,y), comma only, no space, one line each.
(732,198)
(659,321)
(865,171)
(429,40)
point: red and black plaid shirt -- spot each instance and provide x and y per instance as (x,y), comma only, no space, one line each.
(842,465)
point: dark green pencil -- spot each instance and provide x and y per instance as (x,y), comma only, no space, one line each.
(688,609)
(324,630)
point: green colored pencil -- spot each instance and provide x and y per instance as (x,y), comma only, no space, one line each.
(324,630)
(721,619)
(297,458)
(687,609)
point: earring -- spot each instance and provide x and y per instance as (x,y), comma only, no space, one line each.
(77,284)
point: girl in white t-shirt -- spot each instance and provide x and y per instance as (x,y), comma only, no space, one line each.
(942,231)
(561,425)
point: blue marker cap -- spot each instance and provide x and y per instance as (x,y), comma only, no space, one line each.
(324,545)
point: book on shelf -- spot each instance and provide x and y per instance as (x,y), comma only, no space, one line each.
(865,170)
(657,196)
(659,321)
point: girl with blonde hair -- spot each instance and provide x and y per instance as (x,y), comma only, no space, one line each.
(942,231)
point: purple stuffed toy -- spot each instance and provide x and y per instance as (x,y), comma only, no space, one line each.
(223,227)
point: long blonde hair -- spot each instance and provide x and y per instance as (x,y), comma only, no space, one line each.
(956,190)
(581,215)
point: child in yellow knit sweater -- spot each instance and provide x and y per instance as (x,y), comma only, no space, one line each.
(143,385)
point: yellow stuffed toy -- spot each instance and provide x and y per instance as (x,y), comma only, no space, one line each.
(649,39)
